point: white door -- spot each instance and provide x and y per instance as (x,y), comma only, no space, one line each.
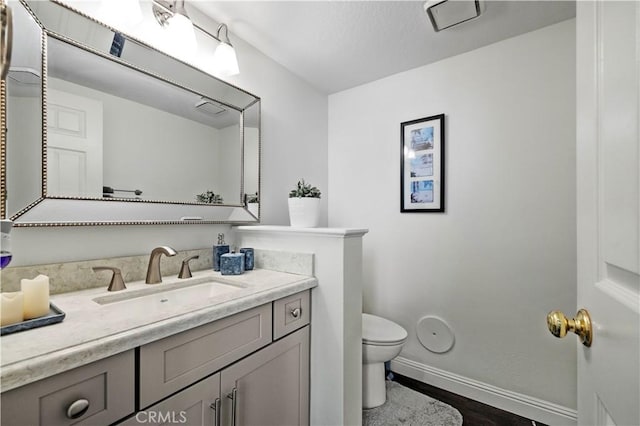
(74,145)
(608,200)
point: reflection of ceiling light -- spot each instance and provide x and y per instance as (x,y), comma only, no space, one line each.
(210,107)
(173,16)
(447,13)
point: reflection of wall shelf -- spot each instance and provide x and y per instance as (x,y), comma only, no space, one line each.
(108,192)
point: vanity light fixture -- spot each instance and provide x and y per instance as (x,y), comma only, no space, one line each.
(173,16)
(225,61)
(447,13)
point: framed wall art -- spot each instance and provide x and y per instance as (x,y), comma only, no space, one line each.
(422,165)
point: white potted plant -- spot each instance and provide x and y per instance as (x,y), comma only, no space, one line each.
(304,205)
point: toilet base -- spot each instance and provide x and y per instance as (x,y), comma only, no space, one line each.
(374,391)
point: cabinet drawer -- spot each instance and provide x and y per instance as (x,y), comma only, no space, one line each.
(290,313)
(108,386)
(175,362)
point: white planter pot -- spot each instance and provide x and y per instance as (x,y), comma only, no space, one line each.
(304,212)
(253,208)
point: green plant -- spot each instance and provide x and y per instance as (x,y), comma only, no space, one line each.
(209,197)
(303,189)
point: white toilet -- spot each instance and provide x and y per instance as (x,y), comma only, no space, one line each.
(382,341)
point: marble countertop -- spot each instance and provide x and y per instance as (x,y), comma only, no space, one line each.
(92,331)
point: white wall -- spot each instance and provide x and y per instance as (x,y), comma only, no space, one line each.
(294,134)
(503,254)
(137,154)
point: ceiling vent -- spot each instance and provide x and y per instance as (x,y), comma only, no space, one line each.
(447,13)
(210,107)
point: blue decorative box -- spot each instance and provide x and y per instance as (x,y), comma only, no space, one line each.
(248,258)
(217,252)
(232,264)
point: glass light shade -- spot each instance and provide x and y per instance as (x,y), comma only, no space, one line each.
(120,14)
(182,36)
(225,62)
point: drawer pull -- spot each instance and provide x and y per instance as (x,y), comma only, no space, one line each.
(234,405)
(77,409)
(216,408)
(295,312)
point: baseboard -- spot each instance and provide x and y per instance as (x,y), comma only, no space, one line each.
(522,405)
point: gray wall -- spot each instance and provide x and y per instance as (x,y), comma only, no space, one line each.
(503,254)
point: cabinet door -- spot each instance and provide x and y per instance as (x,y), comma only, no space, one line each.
(270,387)
(198,405)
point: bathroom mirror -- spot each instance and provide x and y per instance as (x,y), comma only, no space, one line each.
(131,135)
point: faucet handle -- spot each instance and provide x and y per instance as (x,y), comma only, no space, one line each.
(116,283)
(185,271)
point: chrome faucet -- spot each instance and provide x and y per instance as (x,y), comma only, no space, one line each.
(153,271)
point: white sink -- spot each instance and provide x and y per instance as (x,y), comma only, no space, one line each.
(176,294)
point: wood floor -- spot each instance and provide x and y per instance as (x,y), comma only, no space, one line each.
(474,413)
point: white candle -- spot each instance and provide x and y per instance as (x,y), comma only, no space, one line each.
(11,306)
(36,296)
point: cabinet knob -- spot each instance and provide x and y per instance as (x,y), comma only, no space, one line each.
(295,312)
(77,408)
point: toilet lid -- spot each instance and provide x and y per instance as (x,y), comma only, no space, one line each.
(381,331)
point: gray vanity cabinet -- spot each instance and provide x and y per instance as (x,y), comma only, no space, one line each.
(271,387)
(250,368)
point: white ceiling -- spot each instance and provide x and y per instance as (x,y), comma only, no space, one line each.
(336,45)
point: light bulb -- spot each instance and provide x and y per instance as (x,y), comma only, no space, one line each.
(225,62)
(182,36)
(120,14)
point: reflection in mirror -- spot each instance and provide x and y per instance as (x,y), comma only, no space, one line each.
(251,119)
(114,131)
(161,141)
(24,114)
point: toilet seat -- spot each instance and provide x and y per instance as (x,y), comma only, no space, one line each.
(381,332)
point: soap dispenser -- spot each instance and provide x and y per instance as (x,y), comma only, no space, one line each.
(218,250)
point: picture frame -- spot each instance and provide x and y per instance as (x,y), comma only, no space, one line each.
(422,167)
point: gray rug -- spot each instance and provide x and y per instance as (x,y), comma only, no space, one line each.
(408,407)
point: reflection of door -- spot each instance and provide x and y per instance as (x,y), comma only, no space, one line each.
(608,200)
(74,145)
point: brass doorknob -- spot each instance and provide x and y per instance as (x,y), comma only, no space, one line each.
(559,325)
